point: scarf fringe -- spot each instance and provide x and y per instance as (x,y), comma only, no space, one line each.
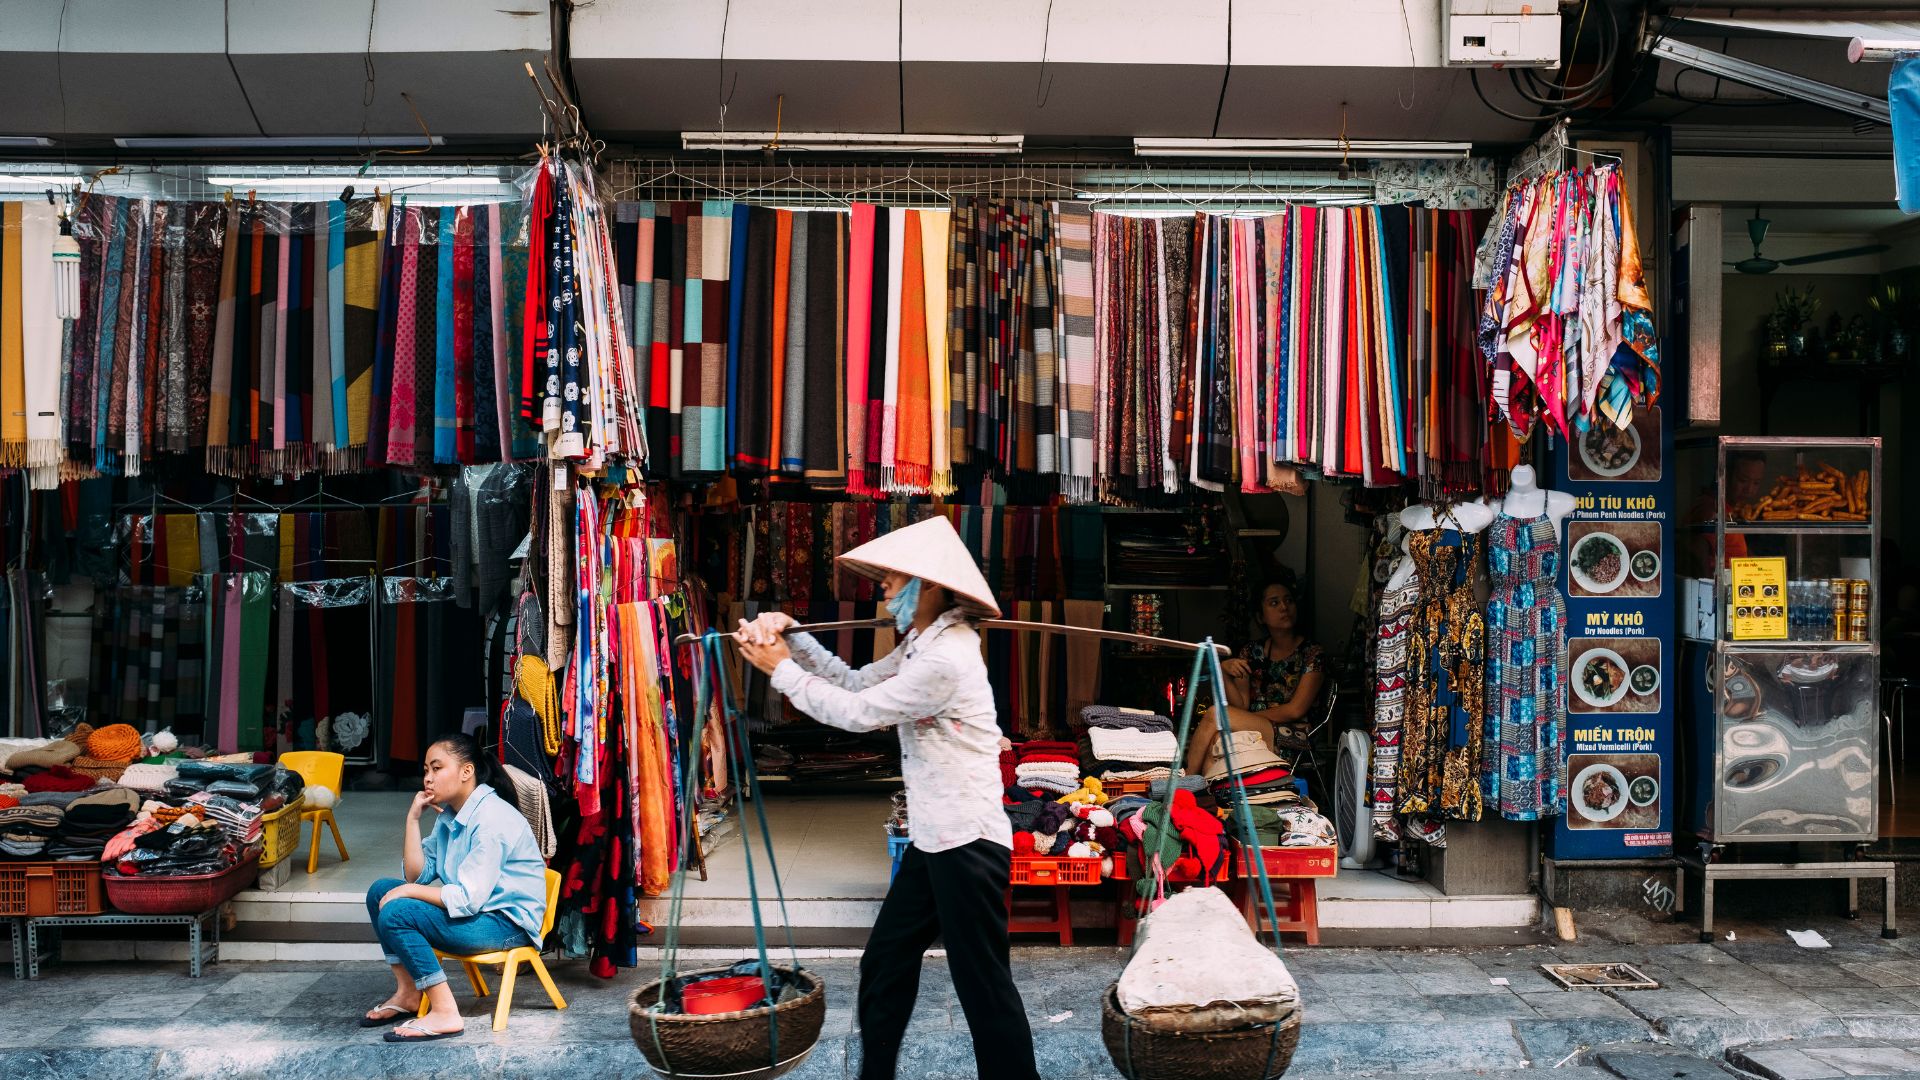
(43,453)
(1077,489)
(13,455)
(44,478)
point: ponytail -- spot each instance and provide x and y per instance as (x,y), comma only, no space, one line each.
(465,749)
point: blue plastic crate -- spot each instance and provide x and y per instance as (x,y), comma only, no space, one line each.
(897,850)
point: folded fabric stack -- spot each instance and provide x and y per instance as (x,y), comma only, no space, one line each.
(1111,716)
(149,778)
(91,821)
(25,831)
(1299,824)
(23,763)
(1047,766)
(179,849)
(58,778)
(1131,749)
(1185,782)
(240,819)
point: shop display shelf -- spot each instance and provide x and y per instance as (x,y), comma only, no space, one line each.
(1837,528)
(36,889)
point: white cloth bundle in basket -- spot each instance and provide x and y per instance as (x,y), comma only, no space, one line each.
(1196,967)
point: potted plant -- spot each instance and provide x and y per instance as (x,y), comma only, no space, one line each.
(1795,308)
(1895,313)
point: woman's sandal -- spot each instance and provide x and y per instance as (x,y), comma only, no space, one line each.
(424,1035)
(397,1012)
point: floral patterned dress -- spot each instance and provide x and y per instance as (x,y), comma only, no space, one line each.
(1446,681)
(1524,772)
(1273,682)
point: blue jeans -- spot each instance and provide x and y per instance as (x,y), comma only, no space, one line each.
(410,930)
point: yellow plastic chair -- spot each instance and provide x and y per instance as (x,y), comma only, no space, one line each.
(510,961)
(319,769)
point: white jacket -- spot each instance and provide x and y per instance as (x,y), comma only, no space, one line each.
(934,689)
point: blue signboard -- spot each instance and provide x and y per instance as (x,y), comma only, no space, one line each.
(1622,682)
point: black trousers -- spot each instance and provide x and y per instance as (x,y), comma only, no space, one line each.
(959,896)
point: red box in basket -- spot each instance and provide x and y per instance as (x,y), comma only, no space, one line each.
(183,894)
(731,994)
(1291,862)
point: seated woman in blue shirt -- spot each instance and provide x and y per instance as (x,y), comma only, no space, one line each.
(477,884)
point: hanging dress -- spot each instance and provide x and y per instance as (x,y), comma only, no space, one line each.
(1441,744)
(1390,702)
(1524,772)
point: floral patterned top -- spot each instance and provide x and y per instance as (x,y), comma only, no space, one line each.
(1274,682)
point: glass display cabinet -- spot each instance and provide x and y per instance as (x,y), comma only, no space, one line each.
(1784,731)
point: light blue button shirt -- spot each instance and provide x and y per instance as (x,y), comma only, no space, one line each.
(485,859)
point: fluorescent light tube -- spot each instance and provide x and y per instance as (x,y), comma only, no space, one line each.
(1300,148)
(33,142)
(280,142)
(319,181)
(44,179)
(1773,80)
(857,142)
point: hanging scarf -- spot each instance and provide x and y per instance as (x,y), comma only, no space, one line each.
(1074,322)
(859,334)
(825,453)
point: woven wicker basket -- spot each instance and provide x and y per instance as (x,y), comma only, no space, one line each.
(735,1045)
(1142,1053)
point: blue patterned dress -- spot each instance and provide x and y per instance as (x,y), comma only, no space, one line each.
(1525,769)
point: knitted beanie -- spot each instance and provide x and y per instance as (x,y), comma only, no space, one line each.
(59,778)
(54,753)
(115,742)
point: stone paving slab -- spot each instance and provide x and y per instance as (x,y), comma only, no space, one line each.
(1453,1013)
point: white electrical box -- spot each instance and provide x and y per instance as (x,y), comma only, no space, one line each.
(1501,33)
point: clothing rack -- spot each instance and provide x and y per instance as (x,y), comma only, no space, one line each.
(1016,625)
(832,185)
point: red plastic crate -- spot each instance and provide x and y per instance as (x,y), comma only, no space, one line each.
(34,889)
(1290,862)
(1047,870)
(730,994)
(183,894)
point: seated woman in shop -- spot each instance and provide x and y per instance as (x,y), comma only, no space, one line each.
(477,884)
(1274,681)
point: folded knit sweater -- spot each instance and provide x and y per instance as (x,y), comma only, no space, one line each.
(1126,744)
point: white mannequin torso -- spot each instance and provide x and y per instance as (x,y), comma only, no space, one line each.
(1526,500)
(1469,517)
(1402,571)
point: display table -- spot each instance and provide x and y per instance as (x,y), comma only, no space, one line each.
(1293,870)
(1711,872)
(200,949)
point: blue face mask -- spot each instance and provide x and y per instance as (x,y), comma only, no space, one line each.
(904,604)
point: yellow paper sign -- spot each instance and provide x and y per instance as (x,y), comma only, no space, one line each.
(1759,611)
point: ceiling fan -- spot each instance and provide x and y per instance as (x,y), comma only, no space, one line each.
(1759,264)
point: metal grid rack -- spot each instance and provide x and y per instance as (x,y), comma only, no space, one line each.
(935,184)
(202,948)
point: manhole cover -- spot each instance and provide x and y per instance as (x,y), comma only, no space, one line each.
(1600,977)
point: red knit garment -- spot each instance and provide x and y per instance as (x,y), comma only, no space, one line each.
(58,778)
(1197,827)
(8,802)
(1043,746)
(1064,759)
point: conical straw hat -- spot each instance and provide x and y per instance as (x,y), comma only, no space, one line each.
(931,551)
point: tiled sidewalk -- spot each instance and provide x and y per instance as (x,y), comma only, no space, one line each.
(1762,1002)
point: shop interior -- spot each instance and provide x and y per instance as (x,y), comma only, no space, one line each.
(1818,310)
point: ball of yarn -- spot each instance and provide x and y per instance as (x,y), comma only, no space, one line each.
(115,742)
(166,742)
(317,797)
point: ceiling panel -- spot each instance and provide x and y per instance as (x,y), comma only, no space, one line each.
(655,100)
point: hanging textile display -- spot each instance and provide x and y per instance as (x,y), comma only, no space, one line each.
(30,332)
(1566,329)
(1441,758)
(579,381)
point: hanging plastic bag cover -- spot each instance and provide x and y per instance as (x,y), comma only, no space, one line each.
(1903,96)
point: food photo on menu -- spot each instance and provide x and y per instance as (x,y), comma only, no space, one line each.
(1626,455)
(1618,560)
(1613,675)
(1614,791)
